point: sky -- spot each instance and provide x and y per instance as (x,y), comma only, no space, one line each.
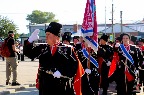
(71,11)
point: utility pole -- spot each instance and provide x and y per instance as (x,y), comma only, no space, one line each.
(105,16)
(121,22)
(112,24)
(45,26)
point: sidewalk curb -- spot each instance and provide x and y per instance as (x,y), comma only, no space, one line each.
(4,92)
(11,90)
(20,88)
(32,85)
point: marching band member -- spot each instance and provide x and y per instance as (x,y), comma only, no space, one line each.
(91,78)
(127,66)
(75,41)
(141,71)
(105,54)
(66,38)
(59,68)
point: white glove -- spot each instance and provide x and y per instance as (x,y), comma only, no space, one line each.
(21,50)
(117,45)
(34,36)
(136,72)
(88,71)
(57,74)
(108,63)
(143,63)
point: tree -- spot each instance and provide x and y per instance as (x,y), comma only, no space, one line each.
(40,17)
(7,25)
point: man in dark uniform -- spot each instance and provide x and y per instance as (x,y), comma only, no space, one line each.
(118,40)
(133,40)
(66,38)
(105,54)
(127,66)
(58,65)
(91,78)
(75,40)
(141,71)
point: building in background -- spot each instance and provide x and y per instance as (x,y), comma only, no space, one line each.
(135,29)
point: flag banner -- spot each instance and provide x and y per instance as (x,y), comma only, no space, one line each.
(129,76)
(113,64)
(92,60)
(77,79)
(89,25)
(91,43)
(126,54)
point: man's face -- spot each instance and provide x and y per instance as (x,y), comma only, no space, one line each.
(117,41)
(66,42)
(125,39)
(131,42)
(103,42)
(50,38)
(81,39)
(75,41)
(12,35)
(140,43)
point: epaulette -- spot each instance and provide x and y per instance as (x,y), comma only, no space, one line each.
(134,46)
(109,45)
(78,43)
(67,45)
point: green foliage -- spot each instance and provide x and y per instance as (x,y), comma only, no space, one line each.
(7,25)
(40,17)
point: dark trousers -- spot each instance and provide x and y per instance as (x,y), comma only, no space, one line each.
(22,57)
(141,76)
(104,78)
(18,55)
(3,59)
(124,87)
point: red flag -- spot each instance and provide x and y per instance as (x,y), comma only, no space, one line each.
(77,79)
(37,79)
(113,64)
(128,75)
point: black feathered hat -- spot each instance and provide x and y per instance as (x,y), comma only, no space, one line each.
(76,37)
(66,37)
(54,28)
(104,37)
(141,40)
(133,38)
(118,39)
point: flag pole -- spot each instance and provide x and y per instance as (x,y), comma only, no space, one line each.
(88,63)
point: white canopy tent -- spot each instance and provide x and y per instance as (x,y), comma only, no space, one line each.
(117,29)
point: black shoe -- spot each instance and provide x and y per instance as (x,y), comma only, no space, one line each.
(8,83)
(15,83)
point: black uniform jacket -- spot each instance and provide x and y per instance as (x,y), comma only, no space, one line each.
(135,54)
(64,60)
